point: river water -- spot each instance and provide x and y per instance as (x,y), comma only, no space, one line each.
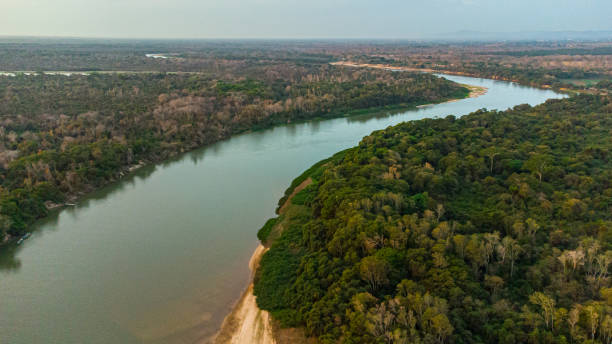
(161,256)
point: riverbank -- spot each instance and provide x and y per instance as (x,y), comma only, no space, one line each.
(441,71)
(409,69)
(475,92)
(247,323)
(72,199)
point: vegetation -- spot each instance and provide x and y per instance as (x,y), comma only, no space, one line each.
(542,64)
(547,63)
(61,136)
(265,231)
(495,227)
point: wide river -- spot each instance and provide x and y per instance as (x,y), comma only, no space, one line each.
(161,256)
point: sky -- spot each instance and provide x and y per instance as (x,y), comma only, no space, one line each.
(391,19)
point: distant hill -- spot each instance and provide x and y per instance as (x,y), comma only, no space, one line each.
(528,36)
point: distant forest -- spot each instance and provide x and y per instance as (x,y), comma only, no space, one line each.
(495,227)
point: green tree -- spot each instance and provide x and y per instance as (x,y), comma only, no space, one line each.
(374,270)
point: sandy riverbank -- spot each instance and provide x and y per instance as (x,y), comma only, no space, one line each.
(421,70)
(247,323)
(475,91)
(440,71)
(407,69)
(386,67)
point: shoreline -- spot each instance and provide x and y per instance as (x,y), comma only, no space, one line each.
(475,92)
(246,323)
(437,71)
(73,199)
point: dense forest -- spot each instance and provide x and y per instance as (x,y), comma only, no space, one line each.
(62,54)
(559,65)
(560,79)
(495,227)
(61,136)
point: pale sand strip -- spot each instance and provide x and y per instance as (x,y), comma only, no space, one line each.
(247,323)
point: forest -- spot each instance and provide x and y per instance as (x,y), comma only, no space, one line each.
(560,65)
(495,227)
(62,136)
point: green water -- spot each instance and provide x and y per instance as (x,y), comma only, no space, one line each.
(161,256)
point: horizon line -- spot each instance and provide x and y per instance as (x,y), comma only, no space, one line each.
(452,36)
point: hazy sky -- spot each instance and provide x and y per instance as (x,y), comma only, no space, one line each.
(296,18)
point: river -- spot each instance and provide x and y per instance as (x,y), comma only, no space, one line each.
(161,256)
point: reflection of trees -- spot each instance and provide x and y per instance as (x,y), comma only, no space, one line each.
(377,115)
(8,259)
(314,126)
(197,155)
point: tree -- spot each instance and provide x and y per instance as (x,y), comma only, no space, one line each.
(547,305)
(572,258)
(489,244)
(602,265)
(460,241)
(381,320)
(441,327)
(510,250)
(573,318)
(491,153)
(592,316)
(532,229)
(538,164)
(606,294)
(439,211)
(5,225)
(606,329)
(374,270)
(494,283)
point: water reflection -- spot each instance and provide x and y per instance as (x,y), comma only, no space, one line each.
(378,115)
(8,260)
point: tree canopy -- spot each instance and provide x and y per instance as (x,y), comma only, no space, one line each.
(495,227)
